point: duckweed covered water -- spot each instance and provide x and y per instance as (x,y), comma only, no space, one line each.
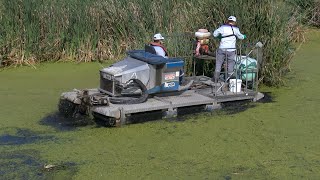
(277,140)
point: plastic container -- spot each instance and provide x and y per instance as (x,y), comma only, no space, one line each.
(203,30)
(235,85)
(202,35)
(247,66)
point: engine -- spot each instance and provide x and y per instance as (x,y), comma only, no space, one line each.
(155,73)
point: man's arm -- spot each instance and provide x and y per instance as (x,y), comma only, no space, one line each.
(217,32)
(239,34)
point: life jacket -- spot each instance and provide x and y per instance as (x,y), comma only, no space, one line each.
(160,45)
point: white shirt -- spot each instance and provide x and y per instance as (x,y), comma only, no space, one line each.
(228,43)
(160,51)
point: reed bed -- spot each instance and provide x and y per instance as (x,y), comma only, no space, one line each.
(315,16)
(98,30)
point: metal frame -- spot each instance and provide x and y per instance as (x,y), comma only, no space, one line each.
(238,73)
(243,49)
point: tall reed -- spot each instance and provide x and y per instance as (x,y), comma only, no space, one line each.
(87,30)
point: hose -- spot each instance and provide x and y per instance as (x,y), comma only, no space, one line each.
(132,100)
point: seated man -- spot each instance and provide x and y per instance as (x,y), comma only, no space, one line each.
(160,50)
(157,44)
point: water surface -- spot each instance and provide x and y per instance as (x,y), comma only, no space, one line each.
(276,140)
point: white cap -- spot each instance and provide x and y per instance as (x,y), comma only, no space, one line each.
(158,37)
(232,18)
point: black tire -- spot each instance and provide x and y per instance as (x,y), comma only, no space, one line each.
(67,108)
(111,122)
(103,120)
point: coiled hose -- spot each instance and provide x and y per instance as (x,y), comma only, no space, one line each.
(132,100)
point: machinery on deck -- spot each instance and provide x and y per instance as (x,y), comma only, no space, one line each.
(144,82)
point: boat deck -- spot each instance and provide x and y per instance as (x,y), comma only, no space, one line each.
(202,93)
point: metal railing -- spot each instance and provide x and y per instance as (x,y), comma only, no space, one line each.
(181,45)
(245,71)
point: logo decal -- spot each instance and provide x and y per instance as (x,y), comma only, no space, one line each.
(169,84)
(170,76)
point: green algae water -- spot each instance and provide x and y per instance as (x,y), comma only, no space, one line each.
(276,140)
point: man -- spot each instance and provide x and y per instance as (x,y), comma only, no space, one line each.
(228,33)
(158,45)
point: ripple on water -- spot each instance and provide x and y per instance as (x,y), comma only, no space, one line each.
(23,136)
(26,164)
(61,123)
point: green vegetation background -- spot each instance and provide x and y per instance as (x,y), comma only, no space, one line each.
(41,30)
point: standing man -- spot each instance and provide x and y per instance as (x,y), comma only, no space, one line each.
(228,34)
(158,45)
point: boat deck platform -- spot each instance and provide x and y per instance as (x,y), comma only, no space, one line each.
(203,93)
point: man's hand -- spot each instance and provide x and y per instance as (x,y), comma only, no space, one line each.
(219,36)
